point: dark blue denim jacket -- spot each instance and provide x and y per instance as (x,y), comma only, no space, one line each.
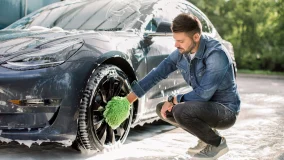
(210,73)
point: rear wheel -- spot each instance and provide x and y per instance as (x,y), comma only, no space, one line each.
(93,132)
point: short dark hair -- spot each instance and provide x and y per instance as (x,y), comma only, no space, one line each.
(186,22)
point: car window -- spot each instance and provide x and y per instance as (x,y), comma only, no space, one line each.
(151,26)
(168,11)
(164,11)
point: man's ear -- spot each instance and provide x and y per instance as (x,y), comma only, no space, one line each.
(196,37)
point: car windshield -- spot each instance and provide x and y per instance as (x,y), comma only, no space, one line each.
(99,15)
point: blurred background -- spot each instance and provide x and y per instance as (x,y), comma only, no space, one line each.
(255,28)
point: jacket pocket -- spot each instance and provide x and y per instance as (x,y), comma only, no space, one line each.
(200,72)
(182,69)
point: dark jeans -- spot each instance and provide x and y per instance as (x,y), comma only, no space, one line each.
(198,118)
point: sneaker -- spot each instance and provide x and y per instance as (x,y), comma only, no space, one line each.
(200,146)
(211,152)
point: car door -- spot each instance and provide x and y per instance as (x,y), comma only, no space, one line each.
(157,45)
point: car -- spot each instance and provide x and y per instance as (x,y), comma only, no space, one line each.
(60,65)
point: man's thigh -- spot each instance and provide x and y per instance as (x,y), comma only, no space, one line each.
(214,114)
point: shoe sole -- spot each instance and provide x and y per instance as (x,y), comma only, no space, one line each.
(193,153)
(221,153)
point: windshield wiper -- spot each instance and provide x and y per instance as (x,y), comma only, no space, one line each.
(109,29)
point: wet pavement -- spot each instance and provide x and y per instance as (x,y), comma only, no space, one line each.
(257,135)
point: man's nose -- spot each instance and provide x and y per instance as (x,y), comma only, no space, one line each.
(176,44)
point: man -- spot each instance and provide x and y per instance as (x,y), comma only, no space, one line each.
(213,103)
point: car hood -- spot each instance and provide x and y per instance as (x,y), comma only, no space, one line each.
(18,42)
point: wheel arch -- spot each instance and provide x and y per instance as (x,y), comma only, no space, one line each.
(122,61)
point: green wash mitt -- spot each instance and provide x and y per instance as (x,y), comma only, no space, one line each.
(117,110)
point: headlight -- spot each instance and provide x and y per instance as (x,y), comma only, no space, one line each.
(47,55)
(44,56)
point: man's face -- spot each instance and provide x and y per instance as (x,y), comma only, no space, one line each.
(183,42)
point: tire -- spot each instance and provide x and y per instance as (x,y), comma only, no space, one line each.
(93,132)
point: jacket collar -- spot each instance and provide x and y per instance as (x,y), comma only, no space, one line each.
(201,48)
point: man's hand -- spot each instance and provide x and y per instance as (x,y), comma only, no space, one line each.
(166,107)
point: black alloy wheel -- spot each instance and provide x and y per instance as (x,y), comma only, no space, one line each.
(94,133)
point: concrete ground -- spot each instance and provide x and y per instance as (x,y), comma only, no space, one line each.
(257,135)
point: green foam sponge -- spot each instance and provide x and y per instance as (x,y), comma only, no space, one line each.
(117,110)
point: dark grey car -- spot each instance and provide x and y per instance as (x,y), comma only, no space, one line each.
(61,64)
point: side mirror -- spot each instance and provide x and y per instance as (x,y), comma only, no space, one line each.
(164,27)
(147,40)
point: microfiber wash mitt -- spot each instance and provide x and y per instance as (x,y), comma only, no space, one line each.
(117,110)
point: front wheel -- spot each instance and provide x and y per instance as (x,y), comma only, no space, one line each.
(94,133)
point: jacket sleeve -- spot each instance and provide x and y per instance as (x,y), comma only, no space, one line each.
(162,71)
(217,64)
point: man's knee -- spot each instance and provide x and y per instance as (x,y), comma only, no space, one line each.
(159,108)
(177,110)
(170,119)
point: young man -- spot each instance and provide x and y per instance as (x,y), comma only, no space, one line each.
(213,103)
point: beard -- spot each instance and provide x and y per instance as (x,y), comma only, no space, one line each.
(188,49)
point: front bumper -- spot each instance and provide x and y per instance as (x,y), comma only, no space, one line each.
(44,121)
